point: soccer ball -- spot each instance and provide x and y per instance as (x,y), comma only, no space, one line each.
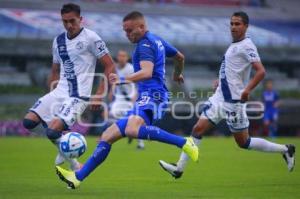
(72,145)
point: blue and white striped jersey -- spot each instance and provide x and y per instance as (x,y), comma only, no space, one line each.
(77,58)
(235,69)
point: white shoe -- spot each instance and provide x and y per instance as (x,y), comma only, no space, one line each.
(171,168)
(141,144)
(289,156)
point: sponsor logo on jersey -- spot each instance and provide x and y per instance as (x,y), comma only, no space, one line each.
(146,45)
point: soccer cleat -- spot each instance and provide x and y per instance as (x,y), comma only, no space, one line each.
(171,168)
(191,149)
(289,156)
(140,144)
(68,177)
(139,147)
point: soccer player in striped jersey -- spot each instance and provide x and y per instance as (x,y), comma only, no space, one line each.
(228,101)
(75,53)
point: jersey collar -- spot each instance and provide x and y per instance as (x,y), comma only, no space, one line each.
(144,36)
(70,38)
(240,40)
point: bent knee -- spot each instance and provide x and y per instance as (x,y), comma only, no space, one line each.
(131,130)
(244,144)
(133,126)
(198,129)
(29,124)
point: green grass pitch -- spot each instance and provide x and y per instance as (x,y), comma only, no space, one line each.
(224,171)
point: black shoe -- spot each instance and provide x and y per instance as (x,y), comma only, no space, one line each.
(289,156)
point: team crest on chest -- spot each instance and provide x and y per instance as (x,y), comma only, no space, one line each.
(79,45)
(234,49)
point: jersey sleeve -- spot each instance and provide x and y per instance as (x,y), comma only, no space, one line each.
(98,46)
(171,51)
(146,51)
(55,56)
(251,54)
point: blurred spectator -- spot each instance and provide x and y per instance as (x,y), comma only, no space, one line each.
(271,103)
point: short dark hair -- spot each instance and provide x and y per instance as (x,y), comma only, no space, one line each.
(243,15)
(133,16)
(70,7)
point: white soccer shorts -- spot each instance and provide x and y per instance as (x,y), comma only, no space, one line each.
(234,114)
(69,109)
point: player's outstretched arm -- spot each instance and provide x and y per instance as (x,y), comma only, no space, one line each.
(258,77)
(178,67)
(54,76)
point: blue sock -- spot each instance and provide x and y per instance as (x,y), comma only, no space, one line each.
(96,159)
(155,133)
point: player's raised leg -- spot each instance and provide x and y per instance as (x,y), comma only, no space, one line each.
(259,144)
(135,128)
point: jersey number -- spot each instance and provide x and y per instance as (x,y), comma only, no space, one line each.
(144,100)
(231,117)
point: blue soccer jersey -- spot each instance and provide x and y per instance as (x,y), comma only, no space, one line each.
(152,93)
(153,48)
(269,99)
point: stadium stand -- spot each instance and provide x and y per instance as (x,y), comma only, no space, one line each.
(27,28)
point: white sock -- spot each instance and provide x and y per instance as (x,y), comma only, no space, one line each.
(184,157)
(260,144)
(141,143)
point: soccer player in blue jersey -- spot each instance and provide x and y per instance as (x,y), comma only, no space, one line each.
(149,74)
(271,102)
(75,53)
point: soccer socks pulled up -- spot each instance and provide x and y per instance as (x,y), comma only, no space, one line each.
(184,157)
(99,155)
(260,144)
(155,133)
